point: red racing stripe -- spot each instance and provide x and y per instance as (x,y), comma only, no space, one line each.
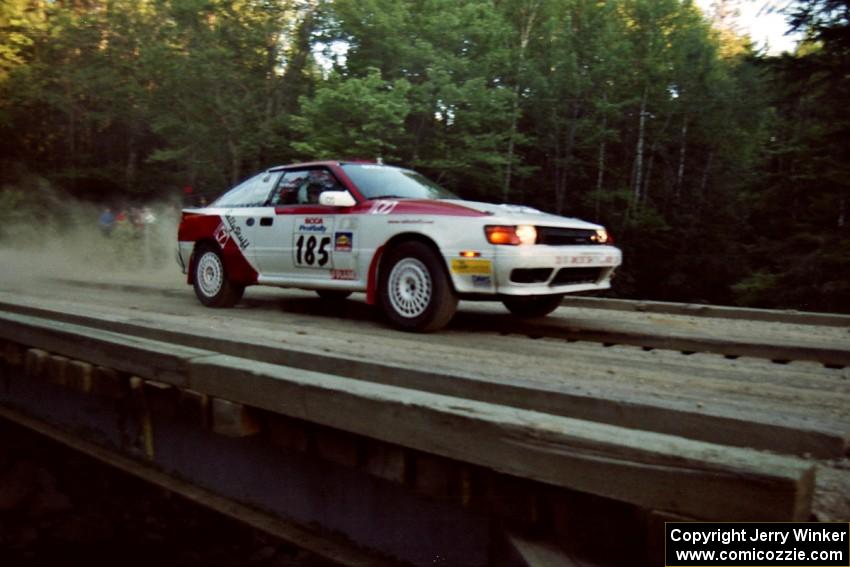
(196,227)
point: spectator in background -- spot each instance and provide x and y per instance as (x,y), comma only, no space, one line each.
(135,216)
(148,216)
(106,221)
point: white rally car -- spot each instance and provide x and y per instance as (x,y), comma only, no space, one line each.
(412,246)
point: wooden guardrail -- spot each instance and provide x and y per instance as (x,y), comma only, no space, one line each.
(702,310)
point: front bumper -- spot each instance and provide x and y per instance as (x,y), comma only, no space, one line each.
(536,270)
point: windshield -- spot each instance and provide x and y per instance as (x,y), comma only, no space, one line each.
(385,182)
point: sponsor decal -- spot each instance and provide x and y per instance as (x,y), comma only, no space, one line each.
(230,229)
(236,232)
(469,267)
(411,221)
(585,260)
(221,235)
(482,281)
(343,275)
(343,241)
(383,207)
(313,240)
(312,228)
(312,225)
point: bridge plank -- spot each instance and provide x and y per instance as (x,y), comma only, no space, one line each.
(758,405)
(652,470)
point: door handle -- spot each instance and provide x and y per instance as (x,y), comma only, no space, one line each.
(266,221)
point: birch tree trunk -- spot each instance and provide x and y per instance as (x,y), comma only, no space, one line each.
(680,171)
(704,182)
(644,193)
(556,158)
(653,151)
(638,167)
(511,141)
(600,164)
(524,36)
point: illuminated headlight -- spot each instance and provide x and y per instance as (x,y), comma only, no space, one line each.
(602,237)
(511,235)
(526,233)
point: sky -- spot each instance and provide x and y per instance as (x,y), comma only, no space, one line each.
(762,21)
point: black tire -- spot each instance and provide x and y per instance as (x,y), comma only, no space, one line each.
(209,278)
(531,306)
(416,294)
(333,294)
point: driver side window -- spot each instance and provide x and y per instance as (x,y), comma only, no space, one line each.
(250,193)
(303,187)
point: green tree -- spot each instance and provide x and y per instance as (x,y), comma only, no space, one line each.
(221,96)
(453,56)
(353,117)
(800,252)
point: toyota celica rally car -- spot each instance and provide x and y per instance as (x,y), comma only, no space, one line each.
(412,246)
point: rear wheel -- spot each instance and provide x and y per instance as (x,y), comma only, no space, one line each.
(209,278)
(333,294)
(416,293)
(532,305)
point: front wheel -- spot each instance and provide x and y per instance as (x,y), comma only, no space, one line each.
(532,305)
(416,293)
(209,278)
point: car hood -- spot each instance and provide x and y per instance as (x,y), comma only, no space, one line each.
(520,214)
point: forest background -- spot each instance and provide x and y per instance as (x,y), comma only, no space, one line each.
(722,171)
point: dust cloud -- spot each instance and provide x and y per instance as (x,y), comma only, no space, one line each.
(63,238)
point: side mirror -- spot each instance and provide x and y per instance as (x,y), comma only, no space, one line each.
(336,199)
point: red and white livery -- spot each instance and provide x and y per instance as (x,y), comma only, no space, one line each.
(413,247)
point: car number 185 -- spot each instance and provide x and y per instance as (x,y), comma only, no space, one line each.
(312,250)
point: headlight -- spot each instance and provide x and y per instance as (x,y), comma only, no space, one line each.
(602,237)
(526,233)
(511,235)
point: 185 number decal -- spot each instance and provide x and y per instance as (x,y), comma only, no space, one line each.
(306,252)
